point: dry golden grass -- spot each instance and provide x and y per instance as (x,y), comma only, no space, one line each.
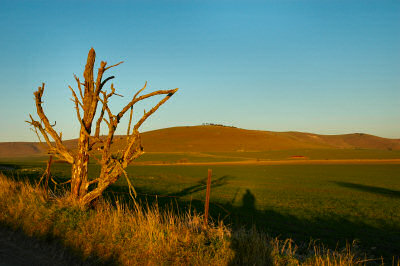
(148,236)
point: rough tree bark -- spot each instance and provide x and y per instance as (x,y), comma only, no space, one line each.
(91,94)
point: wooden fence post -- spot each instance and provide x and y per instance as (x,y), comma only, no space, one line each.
(206,206)
(47,174)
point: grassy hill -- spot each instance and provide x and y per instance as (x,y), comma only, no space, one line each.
(20,149)
(225,139)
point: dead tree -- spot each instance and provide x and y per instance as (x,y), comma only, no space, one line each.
(93,98)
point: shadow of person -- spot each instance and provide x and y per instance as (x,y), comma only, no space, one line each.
(247,250)
(249,201)
(248,208)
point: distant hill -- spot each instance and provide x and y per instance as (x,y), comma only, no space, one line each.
(224,139)
(20,149)
(220,138)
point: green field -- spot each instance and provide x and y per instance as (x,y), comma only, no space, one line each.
(316,154)
(311,154)
(201,157)
(329,203)
(332,203)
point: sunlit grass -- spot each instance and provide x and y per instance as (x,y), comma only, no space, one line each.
(333,204)
(148,235)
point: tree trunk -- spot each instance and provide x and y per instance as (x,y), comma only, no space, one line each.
(101,186)
(80,168)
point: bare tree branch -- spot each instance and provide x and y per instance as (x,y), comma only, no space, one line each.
(105,81)
(107,122)
(93,181)
(36,125)
(100,73)
(76,100)
(135,100)
(105,106)
(139,91)
(114,65)
(149,113)
(88,75)
(37,134)
(61,149)
(79,86)
(129,124)
(113,92)
(98,122)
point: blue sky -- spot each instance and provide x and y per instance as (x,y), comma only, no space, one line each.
(327,67)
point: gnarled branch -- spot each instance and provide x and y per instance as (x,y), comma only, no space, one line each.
(48,128)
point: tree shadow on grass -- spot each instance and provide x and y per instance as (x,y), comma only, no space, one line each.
(202,185)
(370,189)
(165,200)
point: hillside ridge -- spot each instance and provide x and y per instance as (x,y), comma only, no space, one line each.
(215,138)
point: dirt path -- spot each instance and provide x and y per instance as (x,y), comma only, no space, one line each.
(286,162)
